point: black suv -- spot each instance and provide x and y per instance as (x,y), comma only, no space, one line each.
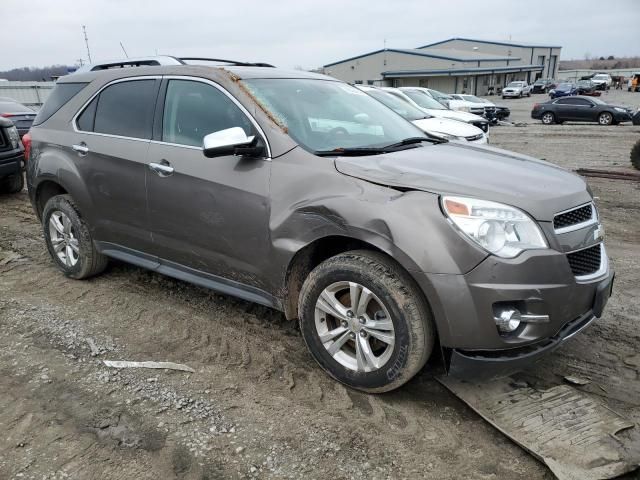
(11,158)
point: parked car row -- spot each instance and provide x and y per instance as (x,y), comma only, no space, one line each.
(311,196)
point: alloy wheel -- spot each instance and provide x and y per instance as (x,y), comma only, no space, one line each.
(605,118)
(547,118)
(354,326)
(63,239)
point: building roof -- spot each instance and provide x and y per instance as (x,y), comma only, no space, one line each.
(453,55)
(461,71)
(491,42)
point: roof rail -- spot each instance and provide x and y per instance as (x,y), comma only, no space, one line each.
(221,60)
(160,60)
(131,62)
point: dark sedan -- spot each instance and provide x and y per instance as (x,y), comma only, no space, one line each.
(21,116)
(563,90)
(587,87)
(543,85)
(636,118)
(580,109)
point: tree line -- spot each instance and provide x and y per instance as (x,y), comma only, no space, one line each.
(37,74)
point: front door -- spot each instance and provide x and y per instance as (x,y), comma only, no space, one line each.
(207,214)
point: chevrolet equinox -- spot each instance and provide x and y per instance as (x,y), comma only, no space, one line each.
(300,192)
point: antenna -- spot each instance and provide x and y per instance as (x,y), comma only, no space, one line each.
(125,52)
(86,41)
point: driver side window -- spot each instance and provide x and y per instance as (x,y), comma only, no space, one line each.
(193,110)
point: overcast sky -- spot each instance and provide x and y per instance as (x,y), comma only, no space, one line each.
(306,33)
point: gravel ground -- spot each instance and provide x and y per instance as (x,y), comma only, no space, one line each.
(257,405)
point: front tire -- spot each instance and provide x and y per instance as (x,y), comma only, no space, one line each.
(605,118)
(69,240)
(365,321)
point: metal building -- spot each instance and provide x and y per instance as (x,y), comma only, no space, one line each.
(456,65)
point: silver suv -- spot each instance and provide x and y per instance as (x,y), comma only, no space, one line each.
(302,193)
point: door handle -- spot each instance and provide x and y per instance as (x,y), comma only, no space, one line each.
(163,169)
(81,148)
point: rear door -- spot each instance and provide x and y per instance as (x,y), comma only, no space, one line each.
(113,133)
(207,214)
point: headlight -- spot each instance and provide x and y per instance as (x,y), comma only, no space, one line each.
(500,229)
(14,137)
(446,136)
(618,109)
(463,109)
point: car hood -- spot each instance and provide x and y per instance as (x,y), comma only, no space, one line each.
(512,89)
(455,115)
(447,126)
(537,187)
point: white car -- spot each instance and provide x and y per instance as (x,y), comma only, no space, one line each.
(478,106)
(453,130)
(424,101)
(602,81)
(516,89)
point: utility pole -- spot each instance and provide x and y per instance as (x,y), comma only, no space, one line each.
(80,61)
(125,52)
(86,41)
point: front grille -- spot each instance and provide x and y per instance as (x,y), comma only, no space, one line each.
(473,138)
(573,217)
(585,262)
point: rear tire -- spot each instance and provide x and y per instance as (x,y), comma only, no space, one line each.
(69,240)
(548,118)
(389,307)
(13,183)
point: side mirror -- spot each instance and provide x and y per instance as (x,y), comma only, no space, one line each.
(231,141)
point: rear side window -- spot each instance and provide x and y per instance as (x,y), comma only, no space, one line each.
(61,94)
(125,109)
(86,119)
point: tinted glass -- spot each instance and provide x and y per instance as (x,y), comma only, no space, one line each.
(14,107)
(86,118)
(193,110)
(324,115)
(126,109)
(61,94)
(564,101)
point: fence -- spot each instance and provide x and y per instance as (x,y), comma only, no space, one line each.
(32,94)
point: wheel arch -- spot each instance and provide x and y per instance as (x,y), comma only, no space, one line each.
(320,249)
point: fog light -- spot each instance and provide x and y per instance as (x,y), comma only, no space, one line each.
(509,320)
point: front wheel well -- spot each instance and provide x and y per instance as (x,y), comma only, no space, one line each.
(308,258)
(44,192)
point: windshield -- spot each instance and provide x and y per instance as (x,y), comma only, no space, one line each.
(600,77)
(423,100)
(397,104)
(516,84)
(439,95)
(564,86)
(598,101)
(472,99)
(323,115)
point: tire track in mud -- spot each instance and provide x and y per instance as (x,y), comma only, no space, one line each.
(290,418)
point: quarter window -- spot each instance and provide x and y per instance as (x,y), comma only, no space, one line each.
(124,108)
(193,110)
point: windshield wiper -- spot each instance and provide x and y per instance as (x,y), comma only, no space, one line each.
(412,141)
(351,151)
(394,147)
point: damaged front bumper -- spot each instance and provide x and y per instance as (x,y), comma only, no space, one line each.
(490,364)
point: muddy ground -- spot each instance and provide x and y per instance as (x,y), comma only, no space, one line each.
(257,405)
